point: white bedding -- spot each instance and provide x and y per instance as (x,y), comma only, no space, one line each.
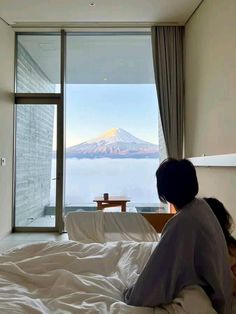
(71,277)
(100,227)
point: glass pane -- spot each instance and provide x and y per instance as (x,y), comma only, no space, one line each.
(35,194)
(38,64)
(112,141)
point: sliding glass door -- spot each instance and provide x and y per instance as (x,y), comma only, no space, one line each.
(37,135)
(35,151)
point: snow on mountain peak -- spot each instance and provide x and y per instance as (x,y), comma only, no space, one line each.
(114,143)
(116,135)
(112,132)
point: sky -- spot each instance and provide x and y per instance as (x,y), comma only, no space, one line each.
(92,109)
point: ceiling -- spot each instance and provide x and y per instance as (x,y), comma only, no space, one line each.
(91,59)
(17,12)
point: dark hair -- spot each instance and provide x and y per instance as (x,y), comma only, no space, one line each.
(224,219)
(176,182)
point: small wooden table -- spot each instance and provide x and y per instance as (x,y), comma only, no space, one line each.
(113,201)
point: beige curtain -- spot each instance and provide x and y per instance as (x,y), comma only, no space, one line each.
(167,46)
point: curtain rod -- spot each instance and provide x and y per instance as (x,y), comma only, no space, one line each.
(90,24)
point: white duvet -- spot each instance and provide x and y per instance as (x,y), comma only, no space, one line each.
(70,277)
(100,227)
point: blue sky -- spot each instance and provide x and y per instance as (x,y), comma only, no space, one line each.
(92,109)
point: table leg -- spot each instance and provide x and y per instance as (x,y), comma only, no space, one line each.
(99,206)
(123,207)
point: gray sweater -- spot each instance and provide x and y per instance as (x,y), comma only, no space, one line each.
(192,251)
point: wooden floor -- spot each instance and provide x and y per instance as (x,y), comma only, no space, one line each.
(20,238)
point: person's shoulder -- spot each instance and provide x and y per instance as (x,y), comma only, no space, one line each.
(190,214)
(180,219)
(196,209)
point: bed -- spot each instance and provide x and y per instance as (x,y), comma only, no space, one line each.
(72,277)
(75,277)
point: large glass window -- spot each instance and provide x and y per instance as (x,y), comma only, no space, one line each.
(112,141)
(38,64)
(112,126)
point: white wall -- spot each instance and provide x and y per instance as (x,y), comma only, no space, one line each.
(210,112)
(6,124)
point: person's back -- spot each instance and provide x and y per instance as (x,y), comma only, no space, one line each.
(192,249)
(226,222)
(210,259)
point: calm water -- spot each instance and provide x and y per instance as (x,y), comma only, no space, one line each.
(88,178)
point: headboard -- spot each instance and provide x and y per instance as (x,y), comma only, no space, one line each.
(157,220)
(226,160)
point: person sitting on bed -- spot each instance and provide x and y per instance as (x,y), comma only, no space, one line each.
(226,223)
(192,249)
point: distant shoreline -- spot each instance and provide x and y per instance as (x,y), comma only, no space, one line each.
(110,157)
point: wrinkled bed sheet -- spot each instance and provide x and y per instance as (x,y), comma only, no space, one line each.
(71,277)
(100,227)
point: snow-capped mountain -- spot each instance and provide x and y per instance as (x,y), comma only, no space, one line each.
(115,143)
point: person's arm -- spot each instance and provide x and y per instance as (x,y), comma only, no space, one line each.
(166,268)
